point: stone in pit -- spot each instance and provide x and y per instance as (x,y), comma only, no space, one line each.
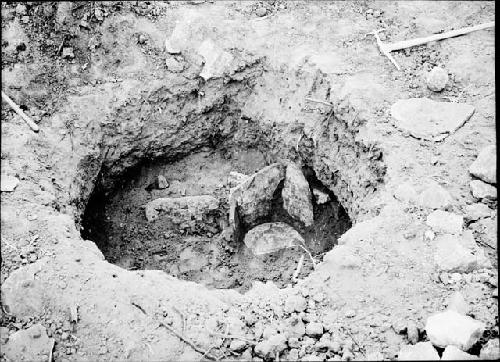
(485,166)
(30,344)
(482,190)
(184,212)
(269,237)
(451,328)
(426,119)
(297,199)
(252,199)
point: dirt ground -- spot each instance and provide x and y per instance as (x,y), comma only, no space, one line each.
(231,90)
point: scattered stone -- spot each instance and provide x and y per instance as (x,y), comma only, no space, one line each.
(452,328)
(270,348)
(237,345)
(67,53)
(485,166)
(186,212)
(482,190)
(341,257)
(491,350)
(457,303)
(8,183)
(30,344)
(421,351)
(412,332)
(252,199)
(314,329)
(295,303)
(406,193)
(435,197)
(171,48)
(445,222)
(217,60)
(236,178)
(173,65)
(426,119)
(261,11)
(452,255)
(452,353)
(477,211)
(297,199)
(320,196)
(437,79)
(429,235)
(21,9)
(269,237)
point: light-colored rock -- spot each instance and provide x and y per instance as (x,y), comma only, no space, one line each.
(482,190)
(236,178)
(269,237)
(491,350)
(237,345)
(412,332)
(406,192)
(485,166)
(437,79)
(251,200)
(488,230)
(429,235)
(434,197)
(457,303)
(341,257)
(477,211)
(320,196)
(422,351)
(261,11)
(185,212)
(445,222)
(217,60)
(297,199)
(426,119)
(173,65)
(454,254)
(21,9)
(269,348)
(452,328)
(295,303)
(68,53)
(314,329)
(170,47)
(295,328)
(162,182)
(190,260)
(8,183)
(452,353)
(30,344)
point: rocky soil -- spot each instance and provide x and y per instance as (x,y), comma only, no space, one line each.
(124,90)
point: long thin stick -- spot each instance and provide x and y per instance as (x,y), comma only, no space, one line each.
(19,111)
(310,255)
(449,34)
(318,101)
(51,349)
(299,266)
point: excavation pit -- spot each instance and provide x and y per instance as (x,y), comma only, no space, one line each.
(203,250)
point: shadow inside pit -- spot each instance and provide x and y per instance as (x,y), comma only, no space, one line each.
(116,222)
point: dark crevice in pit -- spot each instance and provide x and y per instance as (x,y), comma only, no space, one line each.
(202,252)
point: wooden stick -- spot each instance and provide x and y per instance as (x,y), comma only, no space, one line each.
(51,349)
(19,111)
(299,266)
(449,34)
(310,255)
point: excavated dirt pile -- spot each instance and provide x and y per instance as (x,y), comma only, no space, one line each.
(247,181)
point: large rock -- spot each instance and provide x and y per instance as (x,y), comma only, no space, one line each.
(30,344)
(251,200)
(482,190)
(434,197)
(8,183)
(430,120)
(296,194)
(456,254)
(452,353)
(452,328)
(477,211)
(269,237)
(405,192)
(422,351)
(217,61)
(185,212)
(485,166)
(445,222)
(270,348)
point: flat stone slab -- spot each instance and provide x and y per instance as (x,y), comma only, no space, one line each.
(426,119)
(269,237)
(297,198)
(8,183)
(485,165)
(455,254)
(185,212)
(422,351)
(445,222)
(30,344)
(451,328)
(482,190)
